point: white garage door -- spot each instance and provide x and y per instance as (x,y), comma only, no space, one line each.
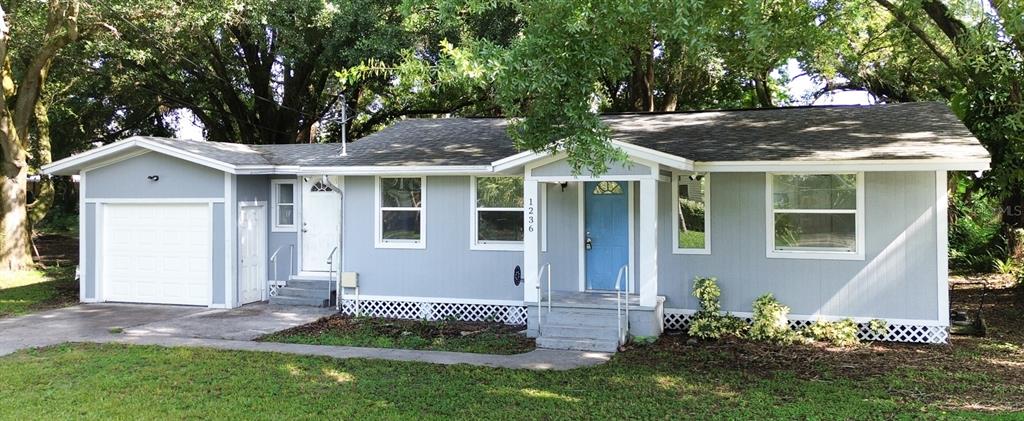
(158,253)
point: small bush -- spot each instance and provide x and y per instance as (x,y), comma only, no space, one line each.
(841,333)
(878,327)
(771,321)
(708,322)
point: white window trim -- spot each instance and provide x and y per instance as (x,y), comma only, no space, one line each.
(675,217)
(819,254)
(474,242)
(378,226)
(274,226)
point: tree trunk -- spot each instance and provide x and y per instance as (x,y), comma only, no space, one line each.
(44,200)
(763,91)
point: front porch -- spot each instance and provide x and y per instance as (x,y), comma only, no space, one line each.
(592,241)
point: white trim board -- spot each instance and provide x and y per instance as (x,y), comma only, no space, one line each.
(854,165)
(155,200)
(823,317)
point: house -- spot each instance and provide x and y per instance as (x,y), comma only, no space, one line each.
(840,212)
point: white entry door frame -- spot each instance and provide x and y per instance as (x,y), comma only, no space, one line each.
(320,222)
(252,252)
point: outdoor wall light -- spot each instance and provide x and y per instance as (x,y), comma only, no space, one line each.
(154,178)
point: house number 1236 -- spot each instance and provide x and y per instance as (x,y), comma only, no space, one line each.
(530,218)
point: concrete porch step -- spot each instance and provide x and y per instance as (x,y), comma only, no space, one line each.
(577,344)
(322,285)
(580,332)
(291,291)
(299,301)
(578,318)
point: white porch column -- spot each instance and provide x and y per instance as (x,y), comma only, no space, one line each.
(647,282)
(531,240)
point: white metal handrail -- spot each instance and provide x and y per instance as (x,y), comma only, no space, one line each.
(273,281)
(330,277)
(540,298)
(623,334)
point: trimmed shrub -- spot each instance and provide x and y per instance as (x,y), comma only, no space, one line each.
(771,321)
(708,322)
(841,333)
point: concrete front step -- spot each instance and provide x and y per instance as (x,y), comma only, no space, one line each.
(582,318)
(310,284)
(299,301)
(576,344)
(290,291)
(580,332)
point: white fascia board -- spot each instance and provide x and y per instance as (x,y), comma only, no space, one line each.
(868,165)
(666,159)
(73,164)
(631,150)
(518,160)
(399,170)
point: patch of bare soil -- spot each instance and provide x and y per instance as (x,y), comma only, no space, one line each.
(56,249)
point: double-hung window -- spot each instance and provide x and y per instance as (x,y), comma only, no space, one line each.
(816,216)
(692,222)
(283,199)
(497,212)
(401,212)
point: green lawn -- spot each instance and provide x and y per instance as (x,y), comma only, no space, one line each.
(691,239)
(479,337)
(28,291)
(661,382)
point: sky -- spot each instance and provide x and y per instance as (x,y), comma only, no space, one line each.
(189,128)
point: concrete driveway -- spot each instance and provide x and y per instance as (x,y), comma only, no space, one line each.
(100,322)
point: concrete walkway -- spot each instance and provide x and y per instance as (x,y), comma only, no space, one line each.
(176,326)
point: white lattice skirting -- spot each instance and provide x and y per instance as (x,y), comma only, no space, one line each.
(512,315)
(680,319)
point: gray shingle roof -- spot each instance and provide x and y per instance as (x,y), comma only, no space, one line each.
(925,130)
(919,130)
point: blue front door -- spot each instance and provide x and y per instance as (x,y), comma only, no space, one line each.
(607,232)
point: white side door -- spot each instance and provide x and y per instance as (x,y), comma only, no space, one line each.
(252,250)
(321,223)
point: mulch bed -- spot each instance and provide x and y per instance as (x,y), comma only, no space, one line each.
(998,358)
(341,325)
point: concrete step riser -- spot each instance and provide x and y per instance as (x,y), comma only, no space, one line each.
(298,301)
(579,332)
(297,283)
(302,292)
(577,344)
(583,320)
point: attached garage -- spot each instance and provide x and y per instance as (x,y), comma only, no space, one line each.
(156,253)
(158,223)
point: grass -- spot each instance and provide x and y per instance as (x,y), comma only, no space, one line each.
(86,381)
(973,378)
(27,291)
(478,337)
(691,239)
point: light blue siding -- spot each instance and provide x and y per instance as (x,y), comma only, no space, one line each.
(897,279)
(446,268)
(219,274)
(563,236)
(561,168)
(178,179)
(90,275)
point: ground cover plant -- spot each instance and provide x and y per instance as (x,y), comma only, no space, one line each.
(441,335)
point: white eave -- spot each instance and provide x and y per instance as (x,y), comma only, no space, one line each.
(131,146)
